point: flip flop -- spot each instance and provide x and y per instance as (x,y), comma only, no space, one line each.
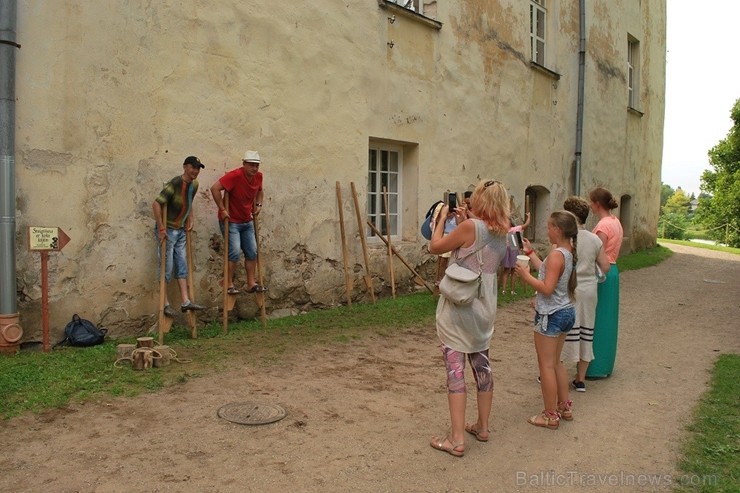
(478,434)
(232,290)
(257,289)
(439,444)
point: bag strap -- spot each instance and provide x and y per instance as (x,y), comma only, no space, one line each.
(476,251)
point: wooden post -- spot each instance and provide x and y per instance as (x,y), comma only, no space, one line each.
(45,300)
(361,229)
(260,297)
(388,242)
(345,254)
(192,319)
(401,258)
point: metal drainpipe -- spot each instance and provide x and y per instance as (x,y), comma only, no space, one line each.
(10,330)
(581,85)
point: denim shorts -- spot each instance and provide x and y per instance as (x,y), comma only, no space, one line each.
(175,254)
(241,239)
(555,324)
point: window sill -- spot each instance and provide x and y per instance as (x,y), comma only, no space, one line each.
(544,70)
(634,111)
(398,9)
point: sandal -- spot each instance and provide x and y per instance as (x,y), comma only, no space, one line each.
(232,290)
(480,435)
(453,449)
(257,288)
(547,419)
(565,410)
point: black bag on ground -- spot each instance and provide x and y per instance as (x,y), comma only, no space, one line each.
(80,332)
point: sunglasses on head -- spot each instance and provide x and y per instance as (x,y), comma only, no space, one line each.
(490,182)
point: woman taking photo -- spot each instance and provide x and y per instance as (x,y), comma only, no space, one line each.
(464,331)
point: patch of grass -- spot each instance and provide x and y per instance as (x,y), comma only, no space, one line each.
(711,461)
(643,258)
(35,381)
(719,248)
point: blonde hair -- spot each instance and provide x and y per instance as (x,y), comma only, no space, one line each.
(490,203)
(567,223)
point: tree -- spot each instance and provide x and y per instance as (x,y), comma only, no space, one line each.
(720,213)
(678,203)
(665,192)
(674,220)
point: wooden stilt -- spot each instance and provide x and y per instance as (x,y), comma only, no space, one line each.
(192,318)
(229,299)
(361,229)
(260,297)
(345,254)
(165,322)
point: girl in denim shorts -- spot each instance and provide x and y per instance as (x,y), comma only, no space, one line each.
(554,314)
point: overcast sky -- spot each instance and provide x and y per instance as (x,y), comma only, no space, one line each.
(702,84)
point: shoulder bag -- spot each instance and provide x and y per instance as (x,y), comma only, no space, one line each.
(461,285)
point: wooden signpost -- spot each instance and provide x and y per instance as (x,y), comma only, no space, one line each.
(45,240)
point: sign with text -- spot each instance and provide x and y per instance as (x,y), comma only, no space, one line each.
(46,239)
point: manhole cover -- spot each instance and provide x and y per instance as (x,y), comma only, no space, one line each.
(251,413)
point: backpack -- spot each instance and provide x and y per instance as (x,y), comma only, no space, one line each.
(426,226)
(80,332)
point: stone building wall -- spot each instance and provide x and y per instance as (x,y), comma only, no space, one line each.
(112,96)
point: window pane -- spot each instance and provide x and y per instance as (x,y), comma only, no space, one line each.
(540,53)
(531,19)
(394,161)
(383,160)
(394,224)
(393,183)
(393,203)
(372,160)
(540,24)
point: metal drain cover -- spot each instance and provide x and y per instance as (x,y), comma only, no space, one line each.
(251,413)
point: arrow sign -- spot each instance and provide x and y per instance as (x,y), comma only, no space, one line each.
(42,239)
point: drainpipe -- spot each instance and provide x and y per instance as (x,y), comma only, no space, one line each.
(581,84)
(10,330)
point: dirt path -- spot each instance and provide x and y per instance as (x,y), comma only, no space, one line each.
(360,415)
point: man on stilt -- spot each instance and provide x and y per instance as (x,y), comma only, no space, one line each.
(244,185)
(178,194)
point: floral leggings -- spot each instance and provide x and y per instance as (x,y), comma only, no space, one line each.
(455,364)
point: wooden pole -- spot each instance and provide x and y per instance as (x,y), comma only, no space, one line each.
(45,300)
(388,242)
(260,297)
(225,321)
(345,254)
(431,290)
(162,274)
(361,229)
(192,319)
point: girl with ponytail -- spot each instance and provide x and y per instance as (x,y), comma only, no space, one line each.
(554,314)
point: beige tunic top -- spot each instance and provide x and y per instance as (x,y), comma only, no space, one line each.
(469,328)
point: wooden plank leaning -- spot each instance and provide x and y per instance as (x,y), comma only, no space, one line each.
(368,278)
(345,253)
(388,242)
(431,290)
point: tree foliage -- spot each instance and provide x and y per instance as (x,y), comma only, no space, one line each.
(665,193)
(678,203)
(721,211)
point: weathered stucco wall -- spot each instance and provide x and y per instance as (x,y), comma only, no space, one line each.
(112,96)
